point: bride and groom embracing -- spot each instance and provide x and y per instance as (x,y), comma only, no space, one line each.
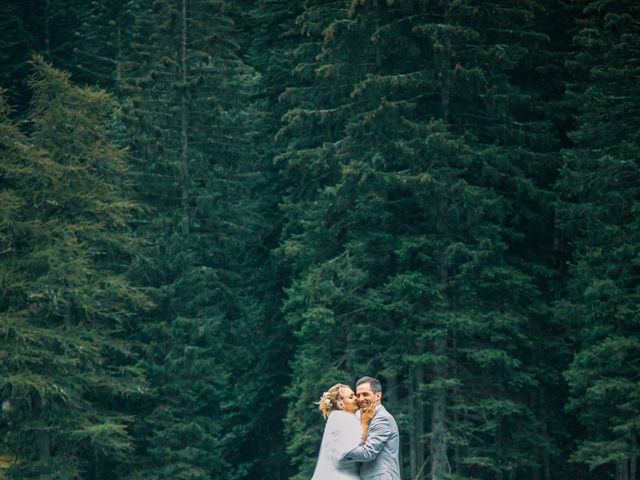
(361,439)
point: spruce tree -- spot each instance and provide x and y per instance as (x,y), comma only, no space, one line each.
(418,184)
(67,304)
(307,164)
(185,91)
(598,214)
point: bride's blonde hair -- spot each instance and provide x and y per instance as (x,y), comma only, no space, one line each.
(329,399)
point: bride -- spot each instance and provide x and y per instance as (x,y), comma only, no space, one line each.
(342,433)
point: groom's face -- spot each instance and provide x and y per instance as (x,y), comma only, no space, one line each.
(366,397)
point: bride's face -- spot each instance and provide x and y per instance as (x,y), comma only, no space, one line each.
(349,403)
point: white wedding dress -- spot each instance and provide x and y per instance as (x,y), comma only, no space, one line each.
(342,434)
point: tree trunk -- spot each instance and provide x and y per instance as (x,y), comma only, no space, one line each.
(184,139)
(118,54)
(47,30)
(546,461)
(445,72)
(438,450)
(391,396)
(456,417)
(622,470)
(413,441)
(498,449)
(391,392)
(633,463)
(43,443)
(419,423)
(534,404)
(350,355)
(440,467)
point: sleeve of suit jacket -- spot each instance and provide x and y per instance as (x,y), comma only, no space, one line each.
(379,433)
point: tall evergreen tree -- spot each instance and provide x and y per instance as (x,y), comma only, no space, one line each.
(185,93)
(269,31)
(545,75)
(67,303)
(416,192)
(598,214)
(312,125)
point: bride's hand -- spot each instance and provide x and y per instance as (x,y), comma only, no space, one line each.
(367,414)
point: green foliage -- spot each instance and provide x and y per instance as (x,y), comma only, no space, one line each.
(597,211)
(67,302)
(442,193)
(407,226)
(14,53)
(100,42)
(191,125)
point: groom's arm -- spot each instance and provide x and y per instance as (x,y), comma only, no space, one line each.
(379,433)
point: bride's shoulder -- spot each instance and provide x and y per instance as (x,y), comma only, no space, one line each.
(342,413)
(341,417)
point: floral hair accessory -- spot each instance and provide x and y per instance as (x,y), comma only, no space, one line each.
(326,399)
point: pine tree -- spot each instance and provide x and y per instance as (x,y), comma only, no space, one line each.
(546,78)
(185,94)
(268,28)
(312,125)
(597,213)
(409,219)
(67,303)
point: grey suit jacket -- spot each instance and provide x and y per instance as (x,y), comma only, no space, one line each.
(379,455)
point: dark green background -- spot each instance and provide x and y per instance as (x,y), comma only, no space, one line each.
(213,210)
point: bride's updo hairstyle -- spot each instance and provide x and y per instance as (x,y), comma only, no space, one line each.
(329,399)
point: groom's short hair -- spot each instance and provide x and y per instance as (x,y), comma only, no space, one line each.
(374,383)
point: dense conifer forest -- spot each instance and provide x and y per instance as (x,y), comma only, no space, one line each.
(213,210)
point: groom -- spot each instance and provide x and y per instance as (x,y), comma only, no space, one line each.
(379,454)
